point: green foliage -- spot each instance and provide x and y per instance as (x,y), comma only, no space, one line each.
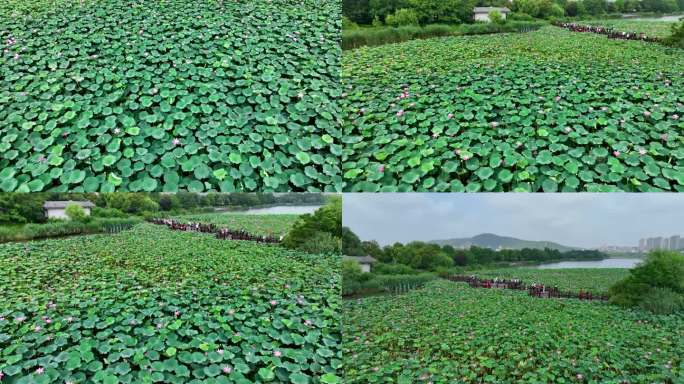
(321,242)
(20,208)
(211,96)
(357,11)
(541,9)
(135,203)
(661,273)
(402,17)
(662,301)
(154,305)
(448,333)
(443,11)
(75,212)
(649,28)
(327,219)
(107,212)
(486,129)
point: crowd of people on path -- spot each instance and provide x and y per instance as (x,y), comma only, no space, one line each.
(609,32)
(219,232)
(535,289)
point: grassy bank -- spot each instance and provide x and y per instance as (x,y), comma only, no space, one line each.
(374,36)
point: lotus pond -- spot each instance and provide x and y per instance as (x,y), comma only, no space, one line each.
(448,333)
(592,280)
(254,224)
(550,110)
(154,305)
(169,95)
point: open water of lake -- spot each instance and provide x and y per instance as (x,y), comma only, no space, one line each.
(283,210)
(605,263)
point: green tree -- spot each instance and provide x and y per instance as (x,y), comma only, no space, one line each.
(495,17)
(402,17)
(351,244)
(662,271)
(327,219)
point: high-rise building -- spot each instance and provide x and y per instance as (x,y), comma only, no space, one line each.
(642,245)
(674,242)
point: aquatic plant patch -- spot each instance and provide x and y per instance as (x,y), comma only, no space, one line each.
(173,95)
(550,110)
(448,332)
(592,280)
(256,224)
(154,305)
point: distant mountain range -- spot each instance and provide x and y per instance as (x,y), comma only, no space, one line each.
(490,240)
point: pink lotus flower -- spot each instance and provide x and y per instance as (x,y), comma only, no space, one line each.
(273,302)
(175,141)
(375,369)
(568,129)
(616,153)
(494,124)
(457,151)
(220,351)
(362,111)
(2,318)
(20,319)
(48,321)
(231,312)
(466,158)
(277,353)
(675,117)
(287,286)
(37,328)
(176,314)
(580,376)
(642,151)
(450,116)
(663,137)
(1,375)
(558,98)
(647,113)
(381,169)
(227,369)
(40,371)
(117,131)
(307,322)
(400,113)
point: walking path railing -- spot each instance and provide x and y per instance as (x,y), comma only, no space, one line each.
(219,232)
(609,32)
(535,289)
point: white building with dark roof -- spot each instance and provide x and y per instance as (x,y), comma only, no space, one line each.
(482,13)
(57,209)
(365,262)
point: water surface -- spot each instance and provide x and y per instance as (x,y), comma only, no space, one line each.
(605,263)
(282,210)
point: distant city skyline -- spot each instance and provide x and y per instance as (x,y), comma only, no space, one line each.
(584,220)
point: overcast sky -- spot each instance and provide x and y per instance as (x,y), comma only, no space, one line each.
(574,219)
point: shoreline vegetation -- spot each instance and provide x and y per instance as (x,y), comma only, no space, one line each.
(375,36)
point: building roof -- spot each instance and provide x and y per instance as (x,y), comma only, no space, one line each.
(489,9)
(361,259)
(63,204)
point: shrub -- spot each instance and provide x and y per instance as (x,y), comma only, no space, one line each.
(75,212)
(393,269)
(662,271)
(376,22)
(662,301)
(676,39)
(348,24)
(402,17)
(107,212)
(321,243)
(519,16)
(495,17)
